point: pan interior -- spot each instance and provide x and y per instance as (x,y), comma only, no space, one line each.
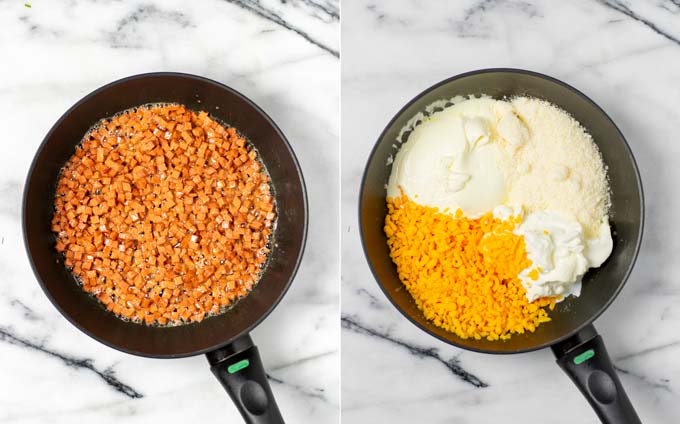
(288,239)
(600,286)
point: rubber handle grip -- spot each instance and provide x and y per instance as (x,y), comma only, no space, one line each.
(586,361)
(239,369)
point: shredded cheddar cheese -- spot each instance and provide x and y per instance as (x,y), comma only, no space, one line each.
(461,272)
(533,274)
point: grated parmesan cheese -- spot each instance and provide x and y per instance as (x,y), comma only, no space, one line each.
(563,151)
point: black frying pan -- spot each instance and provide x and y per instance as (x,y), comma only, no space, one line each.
(579,350)
(233,357)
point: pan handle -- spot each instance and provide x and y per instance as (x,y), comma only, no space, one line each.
(239,369)
(583,357)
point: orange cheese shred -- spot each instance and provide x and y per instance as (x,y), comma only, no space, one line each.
(462,272)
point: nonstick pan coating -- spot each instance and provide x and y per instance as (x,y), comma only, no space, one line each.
(600,286)
(198,94)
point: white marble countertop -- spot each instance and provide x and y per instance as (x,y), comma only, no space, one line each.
(625,56)
(284,56)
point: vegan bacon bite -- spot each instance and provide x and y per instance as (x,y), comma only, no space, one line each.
(164,215)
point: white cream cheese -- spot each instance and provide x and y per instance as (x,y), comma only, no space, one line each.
(560,254)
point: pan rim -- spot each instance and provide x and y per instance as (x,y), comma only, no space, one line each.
(538,75)
(220,86)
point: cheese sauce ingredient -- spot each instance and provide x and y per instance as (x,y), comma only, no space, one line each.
(463,272)
(481,155)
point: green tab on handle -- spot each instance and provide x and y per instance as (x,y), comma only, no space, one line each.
(238,366)
(582,357)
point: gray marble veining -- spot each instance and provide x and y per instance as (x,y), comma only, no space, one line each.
(622,54)
(284,56)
